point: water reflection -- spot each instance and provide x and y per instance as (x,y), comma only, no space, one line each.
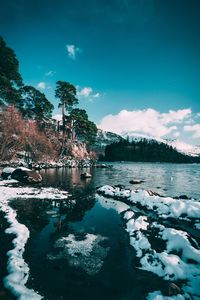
(167,179)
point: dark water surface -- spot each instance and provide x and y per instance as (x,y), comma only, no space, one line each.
(167,179)
(111,272)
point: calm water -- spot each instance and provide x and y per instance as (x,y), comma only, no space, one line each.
(167,179)
(111,271)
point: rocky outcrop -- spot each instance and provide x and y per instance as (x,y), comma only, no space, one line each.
(77,150)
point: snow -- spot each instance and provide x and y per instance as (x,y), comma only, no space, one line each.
(158,296)
(140,243)
(8,170)
(165,207)
(128,214)
(24,169)
(18,270)
(138,224)
(75,247)
(85,252)
(185,148)
(179,259)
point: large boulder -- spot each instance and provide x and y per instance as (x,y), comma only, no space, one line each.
(7,172)
(25,175)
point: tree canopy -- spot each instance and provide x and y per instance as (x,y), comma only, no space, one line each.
(35,105)
(66,92)
(83,127)
(10,78)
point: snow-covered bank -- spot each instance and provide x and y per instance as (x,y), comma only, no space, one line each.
(18,270)
(165,251)
(165,207)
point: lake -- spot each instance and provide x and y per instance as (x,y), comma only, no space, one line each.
(99,262)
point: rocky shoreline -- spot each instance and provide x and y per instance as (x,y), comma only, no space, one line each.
(62,163)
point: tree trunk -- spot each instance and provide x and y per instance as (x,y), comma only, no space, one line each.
(63,119)
(63,129)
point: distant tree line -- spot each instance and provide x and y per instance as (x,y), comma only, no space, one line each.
(27,103)
(145,151)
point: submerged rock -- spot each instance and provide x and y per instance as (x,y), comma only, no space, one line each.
(25,175)
(135,181)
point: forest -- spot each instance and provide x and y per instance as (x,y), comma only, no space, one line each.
(145,151)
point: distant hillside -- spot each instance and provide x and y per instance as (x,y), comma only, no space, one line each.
(103,139)
(180,146)
(145,151)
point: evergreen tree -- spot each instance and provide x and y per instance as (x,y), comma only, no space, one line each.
(35,105)
(66,93)
(82,127)
(10,78)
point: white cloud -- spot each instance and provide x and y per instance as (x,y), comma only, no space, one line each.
(50,73)
(87,92)
(41,85)
(72,50)
(176,134)
(175,116)
(148,121)
(193,128)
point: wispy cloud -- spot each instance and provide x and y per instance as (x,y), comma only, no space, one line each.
(50,73)
(41,85)
(149,122)
(87,92)
(84,92)
(72,51)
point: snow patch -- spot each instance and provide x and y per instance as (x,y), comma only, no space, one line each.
(17,268)
(84,252)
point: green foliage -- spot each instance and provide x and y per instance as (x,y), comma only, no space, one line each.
(35,105)
(83,127)
(10,78)
(145,151)
(66,92)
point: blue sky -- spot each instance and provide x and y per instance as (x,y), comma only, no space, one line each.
(124,55)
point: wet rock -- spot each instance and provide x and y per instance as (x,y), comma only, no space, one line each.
(86,175)
(135,181)
(120,186)
(101,166)
(173,289)
(25,175)
(7,172)
(184,197)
